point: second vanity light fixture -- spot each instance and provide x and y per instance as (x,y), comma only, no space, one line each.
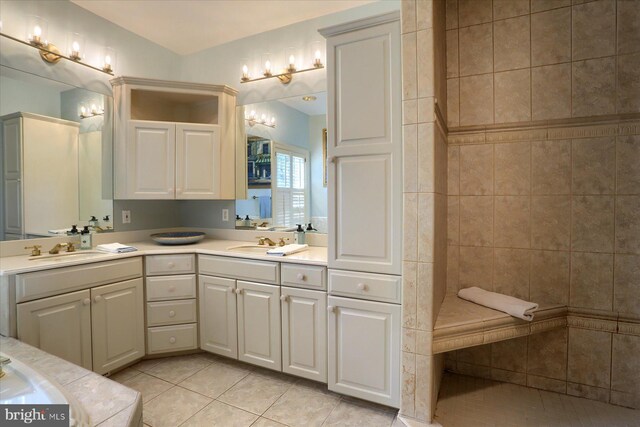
(286,75)
(86,113)
(252,119)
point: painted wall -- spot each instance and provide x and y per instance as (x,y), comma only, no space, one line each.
(18,95)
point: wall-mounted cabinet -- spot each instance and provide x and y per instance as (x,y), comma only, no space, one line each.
(174,140)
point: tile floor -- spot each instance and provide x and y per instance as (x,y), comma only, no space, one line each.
(469,401)
(210,391)
(206,390)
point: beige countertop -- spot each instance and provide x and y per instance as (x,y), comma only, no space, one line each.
(107,402)
(314,255)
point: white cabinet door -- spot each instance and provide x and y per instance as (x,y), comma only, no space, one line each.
(304,333)
(12,182)
(59,325)
(218,321)
(259,324)
(197,161)
(117,325)
(151,160)
(364,349)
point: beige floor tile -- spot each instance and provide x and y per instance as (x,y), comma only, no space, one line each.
(349,414)
(302,406)
(173,407)
(218,414)
(124,375)
(178,368)
(265,422)
(255,393)
(214,380)
(149,386)
(145,365)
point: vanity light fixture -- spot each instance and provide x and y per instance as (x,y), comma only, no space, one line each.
(253,120)
(87,113)
(285,76)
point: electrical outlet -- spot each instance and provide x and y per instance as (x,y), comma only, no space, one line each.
(225,214)
(126,217)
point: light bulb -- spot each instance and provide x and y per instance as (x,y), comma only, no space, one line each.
(83,111)
(245,70)
(107,60)
(292,60)
(253,114)
(37,31)
(317,62)
(267,66)
(264,118)
(75,47)
(273,121)
(94,109)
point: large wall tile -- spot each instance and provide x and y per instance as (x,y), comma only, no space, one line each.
(540,5)
(476,267)
(627,161)
(589,357)
(409,67)
(512,222)
(628,27)
(551,222)
(594,30)
(452,14)
(453,102)
(476,100)
(452,53)
(508,8)
(425,63)
(510,355)
(594,165)
(453,220)
(410,227)
(551,92)
(551,37)
(453,170)
(547,354)
(476,170)
(594,83)
(410,158)
(512,43)
(626,284)
(625,364)
(512,96)
(513,168)
(408,20)
(476,220)
(426,157)
(628,224)
(409,294)
(550,167)
(426,226)
(629,83)
(476,50)
(453,269)
(591,282)
(549,277)
(478,355)
(588,392)
(471,12)
(424,14)
(424,296)
(511,273)
(592,223)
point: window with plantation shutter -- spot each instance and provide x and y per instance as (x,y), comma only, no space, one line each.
(290,188)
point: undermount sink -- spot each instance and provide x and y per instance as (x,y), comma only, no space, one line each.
(66,255)
(250,249)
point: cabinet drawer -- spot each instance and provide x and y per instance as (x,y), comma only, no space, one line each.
(259,271)
(303,276)
(172,338)
(170,264)
(377,287)
(171,312)
(30,286)
(171,287)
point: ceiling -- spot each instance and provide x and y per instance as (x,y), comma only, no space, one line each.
(188,26)
(310,108)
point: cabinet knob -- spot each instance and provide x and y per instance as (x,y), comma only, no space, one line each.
(284,298)
(172,340)
(362,286)
(301,276)
(97,299)
(172,288)
(331,309)
(171,264)
(172,313)
(238,291)
(86,301)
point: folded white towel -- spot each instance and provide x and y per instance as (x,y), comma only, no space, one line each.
(287,249)
(115,248)
(510,305)
(61,231)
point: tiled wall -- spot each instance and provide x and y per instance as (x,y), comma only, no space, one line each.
(549,213)
(519,60)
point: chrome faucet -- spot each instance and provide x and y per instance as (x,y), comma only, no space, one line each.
(266,240)
(3,361)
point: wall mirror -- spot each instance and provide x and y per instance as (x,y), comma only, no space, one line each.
(56,145)
(285,163)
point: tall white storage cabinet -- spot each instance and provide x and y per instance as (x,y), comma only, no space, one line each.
(365,204)
(174,140)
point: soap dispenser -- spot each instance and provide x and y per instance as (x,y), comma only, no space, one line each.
(247,221)
(93,222)
(74,230)
(299,235)
(85,238)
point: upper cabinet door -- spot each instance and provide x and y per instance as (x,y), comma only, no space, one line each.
(151,160)
(12,162)
(197,161)
(364,80)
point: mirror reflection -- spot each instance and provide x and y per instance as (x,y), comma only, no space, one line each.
(55,141)
(285,164)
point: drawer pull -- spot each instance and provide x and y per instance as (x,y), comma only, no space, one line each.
(331,309)
(301,276)
(172,340)
(97,299)
(362,286)
(86,301)
(284,298)
(238,291)
(172,313)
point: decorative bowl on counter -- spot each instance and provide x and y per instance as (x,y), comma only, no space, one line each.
(178,237)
